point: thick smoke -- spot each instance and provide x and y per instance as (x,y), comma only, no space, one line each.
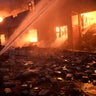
(11,7)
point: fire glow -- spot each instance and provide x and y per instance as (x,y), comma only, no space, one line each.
(2,37)
(27,38)
(88,18)
(1,19)
(33,35)
(61,36)
(61,31)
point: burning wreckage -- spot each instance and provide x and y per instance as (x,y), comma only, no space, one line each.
(50,71)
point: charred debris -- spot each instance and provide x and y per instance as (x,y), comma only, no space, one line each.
(33,71)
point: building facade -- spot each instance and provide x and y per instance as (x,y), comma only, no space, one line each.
(63,19)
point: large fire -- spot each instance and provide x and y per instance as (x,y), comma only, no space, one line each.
(27,38)
(88,18)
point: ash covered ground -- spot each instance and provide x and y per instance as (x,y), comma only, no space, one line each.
(33,71)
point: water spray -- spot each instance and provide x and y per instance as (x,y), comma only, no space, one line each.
(37,14)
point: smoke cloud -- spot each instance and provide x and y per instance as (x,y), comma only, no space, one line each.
(11,7)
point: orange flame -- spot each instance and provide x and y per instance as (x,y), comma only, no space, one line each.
(88,18)
(1,19)
(32,35)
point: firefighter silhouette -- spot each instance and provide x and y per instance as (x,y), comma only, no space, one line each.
(31,5)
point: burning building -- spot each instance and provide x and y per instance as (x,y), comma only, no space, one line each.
(52,21)
(48,71)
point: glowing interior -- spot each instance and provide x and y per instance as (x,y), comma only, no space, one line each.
(61,31)
(88,18)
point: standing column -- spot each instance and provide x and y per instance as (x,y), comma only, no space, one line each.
(70,31)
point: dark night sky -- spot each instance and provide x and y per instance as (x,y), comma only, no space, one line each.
(11,7)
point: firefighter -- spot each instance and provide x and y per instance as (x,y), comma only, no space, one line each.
(31,5)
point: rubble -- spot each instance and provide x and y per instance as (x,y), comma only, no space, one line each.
(25,93)
(6,78)
(7,91)
(53,73)
(32,93)
(44,92)
(9,84)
